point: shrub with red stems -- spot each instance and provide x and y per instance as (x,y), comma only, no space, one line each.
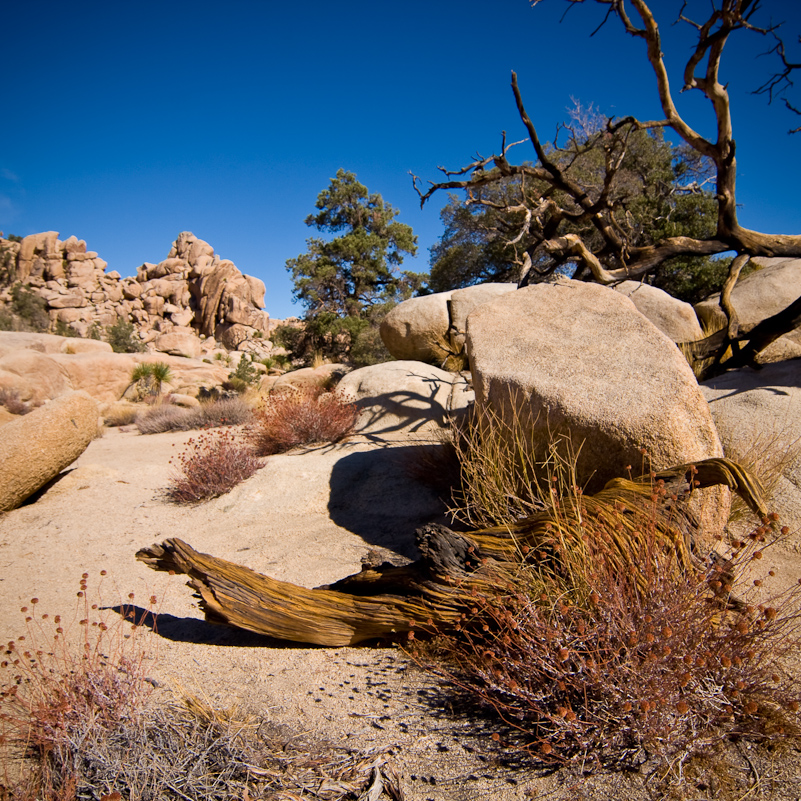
(212,464)
(301,417)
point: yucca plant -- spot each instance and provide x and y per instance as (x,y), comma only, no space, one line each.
(150,376)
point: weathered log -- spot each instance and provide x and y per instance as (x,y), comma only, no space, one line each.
(431,593)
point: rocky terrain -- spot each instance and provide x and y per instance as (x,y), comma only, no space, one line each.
(186,305)
(589,357)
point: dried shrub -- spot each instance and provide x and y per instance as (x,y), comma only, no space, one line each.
(166,417)
(612,642)
(121,414)
(84,722)
(67,688)
(213,414)
(301,417)
(212,464)
(11,400)
(226,412)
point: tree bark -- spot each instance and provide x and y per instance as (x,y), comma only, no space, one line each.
(431,594)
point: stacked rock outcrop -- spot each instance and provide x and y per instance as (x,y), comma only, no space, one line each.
(190,303)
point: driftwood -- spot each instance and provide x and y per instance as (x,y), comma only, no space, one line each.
(388,600)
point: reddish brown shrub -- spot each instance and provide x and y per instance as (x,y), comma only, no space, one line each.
(212,464)
(11,400)
(611,666)
(66,688)
(302,417)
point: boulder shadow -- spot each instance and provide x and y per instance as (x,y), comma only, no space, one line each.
(374,495)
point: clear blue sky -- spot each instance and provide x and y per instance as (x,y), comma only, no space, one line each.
(126,123)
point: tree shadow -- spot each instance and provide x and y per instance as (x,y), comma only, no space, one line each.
(771,378)
(197,631)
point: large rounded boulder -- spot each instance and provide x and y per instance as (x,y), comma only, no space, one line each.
(577,357)
(405,400)
(417,329)
(673,317)
(37,447)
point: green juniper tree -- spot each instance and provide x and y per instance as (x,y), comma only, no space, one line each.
(348,283)
(660,189)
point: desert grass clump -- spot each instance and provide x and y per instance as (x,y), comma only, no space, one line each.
(505,467)
(211,414)
(68,688)
(121,414)
(80,719)
(167,417)
(226,412)
(211,465)
(301,417)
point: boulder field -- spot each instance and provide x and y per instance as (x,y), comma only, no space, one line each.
(186,305)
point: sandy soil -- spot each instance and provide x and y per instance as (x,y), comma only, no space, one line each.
(306,517)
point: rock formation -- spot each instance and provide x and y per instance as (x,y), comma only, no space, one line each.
(41,367)
(186,305)
(37,447)
(431,328)
(579,357)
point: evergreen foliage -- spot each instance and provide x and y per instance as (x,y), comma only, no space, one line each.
(651,184)
(349,282)
(122,337)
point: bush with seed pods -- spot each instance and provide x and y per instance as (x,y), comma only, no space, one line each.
(613,667)
(64,686)
(211,465)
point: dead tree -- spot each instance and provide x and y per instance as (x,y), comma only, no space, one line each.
(433,593)
(563,219)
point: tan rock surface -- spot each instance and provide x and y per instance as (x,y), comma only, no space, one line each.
(39,445)
(580,357)
(307,517)
(671,316)
(405,399)
(417,329)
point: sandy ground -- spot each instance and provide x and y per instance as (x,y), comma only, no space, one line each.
(306,517)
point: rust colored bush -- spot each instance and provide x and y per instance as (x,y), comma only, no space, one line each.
(582,661)
(302,417)
(212,464)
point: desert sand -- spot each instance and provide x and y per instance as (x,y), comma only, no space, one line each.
(307,517)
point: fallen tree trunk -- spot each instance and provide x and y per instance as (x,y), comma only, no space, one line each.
(433,592)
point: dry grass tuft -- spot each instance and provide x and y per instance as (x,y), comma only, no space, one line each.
(769,453)
(213,414)
(302,417)
(212,464)
(121,414)
(227,412)
(79,719)
(67,688)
